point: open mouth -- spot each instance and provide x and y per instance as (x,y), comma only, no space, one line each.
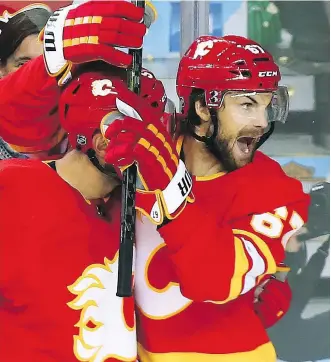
(247,144)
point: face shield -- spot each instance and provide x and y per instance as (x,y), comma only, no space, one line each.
(251,115)
(38,14)
(169,117)
(277,110)
(253,106)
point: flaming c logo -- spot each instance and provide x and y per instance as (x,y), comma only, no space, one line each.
(106,324)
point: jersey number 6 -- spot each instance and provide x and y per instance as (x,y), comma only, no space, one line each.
(272,224)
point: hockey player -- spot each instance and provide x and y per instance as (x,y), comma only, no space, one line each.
(59,242)
(197,268)
(28,113)
(19,36)
(18,44)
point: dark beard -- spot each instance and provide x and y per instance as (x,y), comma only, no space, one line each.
(221,150)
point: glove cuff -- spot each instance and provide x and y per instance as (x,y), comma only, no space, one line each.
(170,202)
(149,204)
(55,62)
(175,195)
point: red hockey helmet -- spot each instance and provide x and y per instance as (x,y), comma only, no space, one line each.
(89,101)
(231,63)
(8,9)
(153,91)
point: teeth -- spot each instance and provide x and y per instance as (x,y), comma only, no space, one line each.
(246,150)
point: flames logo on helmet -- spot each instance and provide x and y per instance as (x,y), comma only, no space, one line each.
(103,87)
(203,48)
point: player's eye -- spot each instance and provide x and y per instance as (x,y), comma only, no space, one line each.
(19,64)
(247,105)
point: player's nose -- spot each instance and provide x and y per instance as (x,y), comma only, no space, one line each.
(261,120)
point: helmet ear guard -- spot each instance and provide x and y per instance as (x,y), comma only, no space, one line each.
(169,118)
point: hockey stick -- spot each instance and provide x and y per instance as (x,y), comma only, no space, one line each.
(128,212)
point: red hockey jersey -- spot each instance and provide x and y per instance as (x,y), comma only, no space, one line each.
(58,272)
(28,109)
(195,275)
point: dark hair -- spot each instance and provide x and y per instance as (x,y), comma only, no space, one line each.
(192,119)
(20,26)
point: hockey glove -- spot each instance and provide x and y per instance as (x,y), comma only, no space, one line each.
(273,300)
(141,138)
(90,31)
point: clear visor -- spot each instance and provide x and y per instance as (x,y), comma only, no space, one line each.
(169,117)
(277,111)
(257,108)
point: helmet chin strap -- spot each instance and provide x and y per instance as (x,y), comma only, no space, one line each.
(266,135)
(93,158)
(208,140)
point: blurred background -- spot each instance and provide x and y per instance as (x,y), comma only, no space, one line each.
(297,33)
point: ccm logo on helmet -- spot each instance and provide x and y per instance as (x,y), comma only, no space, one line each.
(268,74)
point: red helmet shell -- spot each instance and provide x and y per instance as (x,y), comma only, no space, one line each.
(217,65)
(7,11)
(91,97)
(6,8)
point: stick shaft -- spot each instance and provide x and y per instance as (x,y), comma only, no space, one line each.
(128,212)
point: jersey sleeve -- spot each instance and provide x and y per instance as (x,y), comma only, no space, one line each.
(28,108)
(219,263)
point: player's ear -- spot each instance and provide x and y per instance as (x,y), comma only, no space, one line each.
(99,145)
(205,118)
(202,111)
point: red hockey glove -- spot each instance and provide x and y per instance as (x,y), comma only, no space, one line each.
(91,31)
(141,138)
(273,299)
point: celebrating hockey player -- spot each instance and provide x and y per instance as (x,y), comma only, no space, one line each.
(220,213)
(58,265)
(155,288)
